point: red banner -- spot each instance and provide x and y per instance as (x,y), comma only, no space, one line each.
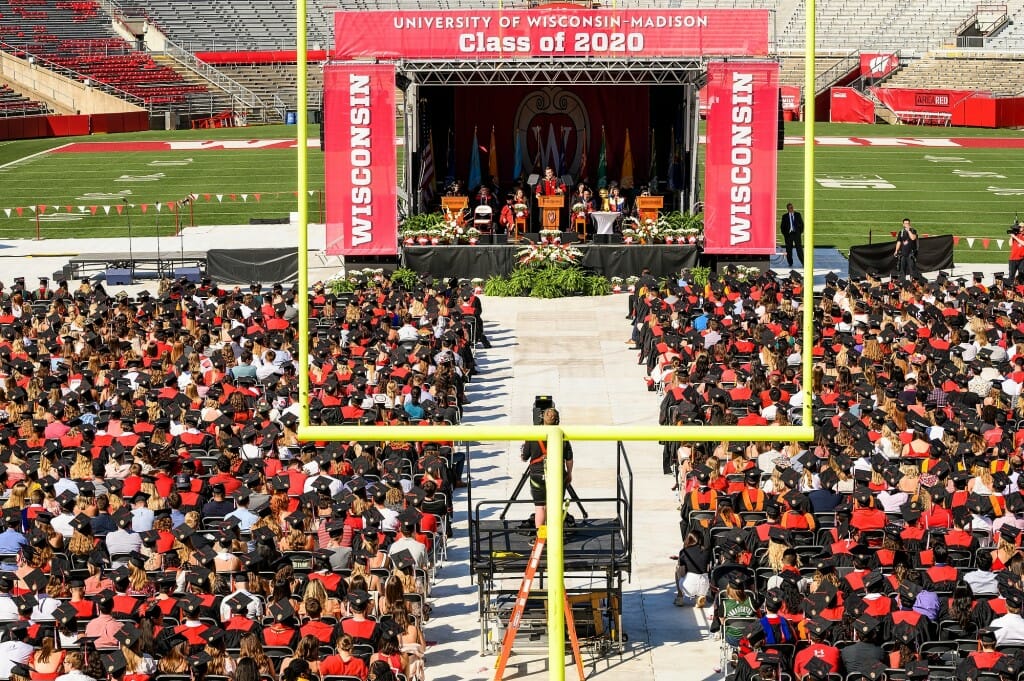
(740,172)
(360,160)
(850,106)
(790,97)
(550,32)
(878,65)
(911,99)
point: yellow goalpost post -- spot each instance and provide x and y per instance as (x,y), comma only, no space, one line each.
(553,435)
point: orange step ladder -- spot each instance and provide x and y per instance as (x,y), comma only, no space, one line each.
(520,606)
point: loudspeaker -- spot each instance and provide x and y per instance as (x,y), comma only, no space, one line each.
(117,276)
(189,274)
(780,144)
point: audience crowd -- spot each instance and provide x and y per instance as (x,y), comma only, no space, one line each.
(160,517)
(890,546)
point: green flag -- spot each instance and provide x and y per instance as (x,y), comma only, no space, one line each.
(602,163)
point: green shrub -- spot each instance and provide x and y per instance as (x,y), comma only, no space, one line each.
(405,278)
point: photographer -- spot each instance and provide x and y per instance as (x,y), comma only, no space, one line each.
(1016,265)
(906,250)
(536,454)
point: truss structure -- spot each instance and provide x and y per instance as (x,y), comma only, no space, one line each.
(559,71)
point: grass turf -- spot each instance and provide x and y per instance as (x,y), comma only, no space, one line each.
(937,199)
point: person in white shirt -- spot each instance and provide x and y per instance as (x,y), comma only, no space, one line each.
(142,517)
(74,663)
(14,650)
(406,542)
(1010,627)
(255,606)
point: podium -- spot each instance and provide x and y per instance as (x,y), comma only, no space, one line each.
(648,206)
(549,207)
(455,205)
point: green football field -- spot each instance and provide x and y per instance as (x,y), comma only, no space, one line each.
(969,191)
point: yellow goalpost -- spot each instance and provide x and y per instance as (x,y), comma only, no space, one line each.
(553,434)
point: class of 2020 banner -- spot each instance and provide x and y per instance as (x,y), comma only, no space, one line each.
(740,170)
(360,159)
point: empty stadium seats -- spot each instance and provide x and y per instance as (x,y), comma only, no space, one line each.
(76,35)
(14,104)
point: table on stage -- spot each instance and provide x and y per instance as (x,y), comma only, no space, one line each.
(604,220)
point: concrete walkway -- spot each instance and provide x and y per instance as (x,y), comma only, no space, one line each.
(574,351)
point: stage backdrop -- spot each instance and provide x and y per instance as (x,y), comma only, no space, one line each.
(360,161)
(742,132)
(933,253)
(553,125)
(550,32)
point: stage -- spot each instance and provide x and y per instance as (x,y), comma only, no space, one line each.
(609,260)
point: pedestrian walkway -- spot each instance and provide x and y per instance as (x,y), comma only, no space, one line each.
(572,350)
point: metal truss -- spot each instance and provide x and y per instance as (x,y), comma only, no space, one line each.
(556,72)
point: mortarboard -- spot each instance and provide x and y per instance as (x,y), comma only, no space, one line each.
(282,611)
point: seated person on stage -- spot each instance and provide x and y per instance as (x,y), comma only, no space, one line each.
(515,206)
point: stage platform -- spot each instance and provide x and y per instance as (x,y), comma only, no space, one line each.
(163,263)
(599,544)
(610,260)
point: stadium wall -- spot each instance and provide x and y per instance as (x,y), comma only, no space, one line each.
(32,127)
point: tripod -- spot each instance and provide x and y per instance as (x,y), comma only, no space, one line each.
(575,498)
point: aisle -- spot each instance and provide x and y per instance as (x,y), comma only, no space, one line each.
(572,350)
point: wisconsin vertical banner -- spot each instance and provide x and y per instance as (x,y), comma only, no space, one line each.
(360,161)
(740,170)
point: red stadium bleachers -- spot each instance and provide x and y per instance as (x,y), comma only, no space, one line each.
(75,35)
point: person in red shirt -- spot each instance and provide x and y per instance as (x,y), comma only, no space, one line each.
(817,630)
(866,516)
(315,627)
(344,663)
(224,477)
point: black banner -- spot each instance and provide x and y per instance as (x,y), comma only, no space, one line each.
(264,265)
(485,261)
(933,253)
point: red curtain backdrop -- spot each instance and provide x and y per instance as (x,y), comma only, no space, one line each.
(740,179)
(850,106)
(616,108)
(360,160)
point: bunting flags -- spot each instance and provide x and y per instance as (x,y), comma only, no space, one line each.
(83,210)
(602,162)
(492,160)
(473,180)
(626,176)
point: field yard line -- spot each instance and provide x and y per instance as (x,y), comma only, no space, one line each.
(31,156)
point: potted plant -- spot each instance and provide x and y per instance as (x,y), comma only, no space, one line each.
(520,209)
(631,283)
(478,285)
(473,236)
(423,237)
(616,284)
(579,209)
(628,236)
(434,236)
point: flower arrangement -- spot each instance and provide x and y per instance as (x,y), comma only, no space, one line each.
(646,231)
(744,273)
(551,236)
(628,235)
(616,284)
(579,209)
(548,253)
(346,281)
(631,282)
(520,209)
(472,235)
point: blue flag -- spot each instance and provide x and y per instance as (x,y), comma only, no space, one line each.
(473,181)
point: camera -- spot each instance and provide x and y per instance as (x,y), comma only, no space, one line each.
(1015,226)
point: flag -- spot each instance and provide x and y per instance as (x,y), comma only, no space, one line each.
(583,157)
(473,181)
(426,184)
(449,171)
(492,160)
(517,171)
(563,162)
(602,162)
(652,174)
(626,176)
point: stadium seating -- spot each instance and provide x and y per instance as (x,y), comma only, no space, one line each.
(268,80)
(999,74)
(76,35)
(14,104)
